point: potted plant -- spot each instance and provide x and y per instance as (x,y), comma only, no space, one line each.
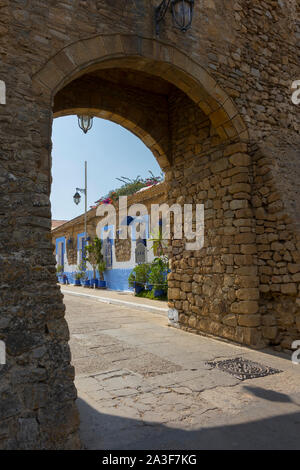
(138,277)
(95,257)
(149,287)
(87,282)
(157,278)
(78,277)
(101,268)
(80,273)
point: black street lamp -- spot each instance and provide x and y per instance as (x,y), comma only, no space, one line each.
(182,13)
(85,122)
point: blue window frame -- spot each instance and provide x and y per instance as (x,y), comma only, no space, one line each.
(107,244)
(60,245)
(81,246)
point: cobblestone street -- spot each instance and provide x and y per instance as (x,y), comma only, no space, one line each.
(144,385)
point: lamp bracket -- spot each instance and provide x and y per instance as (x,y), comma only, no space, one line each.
(81,190)
(160,13)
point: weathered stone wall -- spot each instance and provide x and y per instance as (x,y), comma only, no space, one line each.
(237,64)
(215,290)
(276,201)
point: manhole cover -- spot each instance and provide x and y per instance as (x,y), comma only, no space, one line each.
(243,369)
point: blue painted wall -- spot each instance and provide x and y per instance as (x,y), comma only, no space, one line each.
(116,279)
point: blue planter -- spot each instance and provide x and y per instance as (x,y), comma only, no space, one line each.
(138,288)
(87,283)
(158,292)
(102,284)
(77,282)
(149,287)
(95,282)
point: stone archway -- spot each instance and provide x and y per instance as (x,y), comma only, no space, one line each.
(213,143)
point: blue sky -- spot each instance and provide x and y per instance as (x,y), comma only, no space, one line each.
(111,152)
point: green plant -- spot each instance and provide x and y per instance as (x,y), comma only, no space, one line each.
(162,262)
(93,254)
(157,276)
(139,275)
(78,275)
(159,243)
(150,295)
(80,272)
(101,268)
(59,269)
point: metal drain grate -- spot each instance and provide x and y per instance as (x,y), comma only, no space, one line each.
(243,369)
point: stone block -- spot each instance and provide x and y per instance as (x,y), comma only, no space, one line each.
(230,320)
(245,238)
(248,249)
(239,147)
(219,165)
(245,307)
(270,332)
(174,293)
(239,188)
(249,320)
(294,268)
(289,289)
(240,159)
(248,294)
(238,204)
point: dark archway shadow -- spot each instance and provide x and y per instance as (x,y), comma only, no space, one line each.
(270,395)
(101,431)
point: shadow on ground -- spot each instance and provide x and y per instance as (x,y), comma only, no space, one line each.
(107,432)
(270,395)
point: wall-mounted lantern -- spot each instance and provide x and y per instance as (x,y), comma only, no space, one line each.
(182,13)
(77,198)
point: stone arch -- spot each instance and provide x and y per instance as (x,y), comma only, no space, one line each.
(203,122)
(148,55)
